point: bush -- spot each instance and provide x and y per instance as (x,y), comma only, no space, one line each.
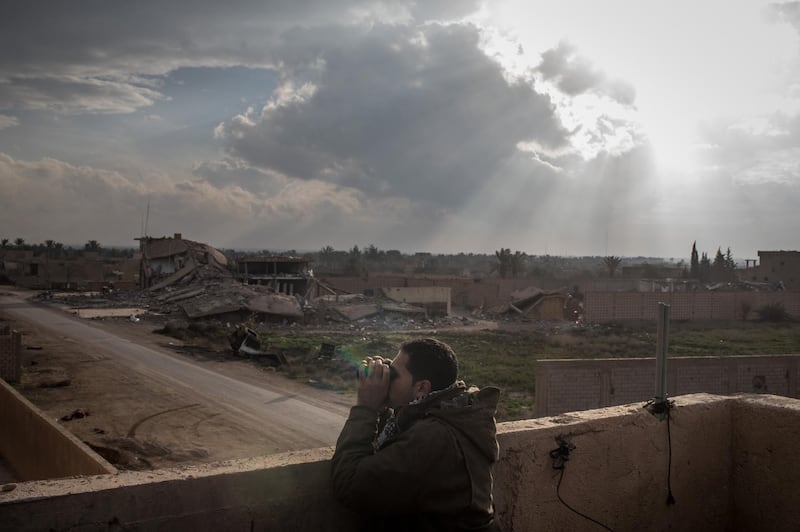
(773,312)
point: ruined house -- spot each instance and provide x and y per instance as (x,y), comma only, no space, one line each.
(285,275)
(166,261)
(779,267)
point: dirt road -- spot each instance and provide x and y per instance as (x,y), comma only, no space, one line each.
(150,407)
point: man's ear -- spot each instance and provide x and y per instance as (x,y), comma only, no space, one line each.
(422,388)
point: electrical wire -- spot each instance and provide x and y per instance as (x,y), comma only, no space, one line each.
(560,456)
(670,498)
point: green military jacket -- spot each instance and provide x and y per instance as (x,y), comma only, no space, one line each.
(433,471)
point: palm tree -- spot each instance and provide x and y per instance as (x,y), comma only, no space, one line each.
(612,263)
(503,265)
(92,245)
(19,242)
(517,263)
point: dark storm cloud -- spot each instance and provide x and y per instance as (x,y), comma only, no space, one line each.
(575,75)
(417,112)
(423,10)
(95,46)
(789,11)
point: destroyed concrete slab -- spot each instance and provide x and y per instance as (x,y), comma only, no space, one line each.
(524,296)
(402,308)
(357,312)
(233,297)
(276,304)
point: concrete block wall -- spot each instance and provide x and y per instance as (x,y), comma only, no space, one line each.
(571,385)
(470,293)
(10,355)
(37,448)
(436,298)
(600,307)
(727,474)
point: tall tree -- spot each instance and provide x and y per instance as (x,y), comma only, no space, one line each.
(503,265)
(19,242)
(704,270)
(4,243)
(612,263)
(354,266)
(694,268)
(92,245)
(718,266)
(517,263)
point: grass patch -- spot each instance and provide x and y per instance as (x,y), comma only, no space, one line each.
(508,359)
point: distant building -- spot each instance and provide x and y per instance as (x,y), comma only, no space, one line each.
(286,275)
(780,266)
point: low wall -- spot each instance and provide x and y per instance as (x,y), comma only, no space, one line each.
(10,357)
(433,298)
(37,448)
(602,307)
(465,292)
(725,472)
(570,385)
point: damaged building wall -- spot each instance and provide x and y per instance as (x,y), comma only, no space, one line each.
(285,275)
(464,292)
(89,271)
(165,260)
(434,299)
(779,266)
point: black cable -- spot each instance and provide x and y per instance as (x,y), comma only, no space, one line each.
(670,498)
(560,456)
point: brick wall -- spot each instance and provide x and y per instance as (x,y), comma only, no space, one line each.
(571,385)
(10,347)
(624,306)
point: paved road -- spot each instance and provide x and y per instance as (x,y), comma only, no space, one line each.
(290,419)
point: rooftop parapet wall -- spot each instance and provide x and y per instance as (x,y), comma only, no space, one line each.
(726,477)
(37,448)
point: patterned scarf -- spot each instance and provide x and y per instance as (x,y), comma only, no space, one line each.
(391,429)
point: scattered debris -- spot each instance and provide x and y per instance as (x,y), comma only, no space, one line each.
(78,413)
(327,350)
(244,341)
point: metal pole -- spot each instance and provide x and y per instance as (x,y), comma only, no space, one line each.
(662,344)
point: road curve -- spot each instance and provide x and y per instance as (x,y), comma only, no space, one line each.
(286,418)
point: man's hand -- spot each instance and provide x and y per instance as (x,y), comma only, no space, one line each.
(373,390)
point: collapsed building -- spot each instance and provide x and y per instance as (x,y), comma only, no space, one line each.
(166,261)
(285,275)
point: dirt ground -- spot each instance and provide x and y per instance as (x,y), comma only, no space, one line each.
(137,423)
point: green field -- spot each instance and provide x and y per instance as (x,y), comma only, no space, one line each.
(508,359)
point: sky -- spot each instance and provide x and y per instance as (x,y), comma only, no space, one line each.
(562,127)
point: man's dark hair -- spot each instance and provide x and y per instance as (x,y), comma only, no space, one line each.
(432,360)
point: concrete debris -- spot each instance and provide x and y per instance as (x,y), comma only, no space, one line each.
(244,341)
(224,299)
(533,302)
(78,413)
